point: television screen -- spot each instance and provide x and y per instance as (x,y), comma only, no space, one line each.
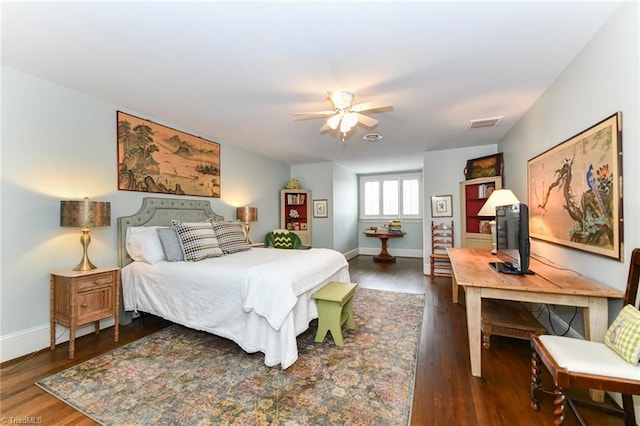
(512,238)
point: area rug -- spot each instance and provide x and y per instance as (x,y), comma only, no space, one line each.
(179,376)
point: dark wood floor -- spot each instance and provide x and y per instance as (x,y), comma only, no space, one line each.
(445,392)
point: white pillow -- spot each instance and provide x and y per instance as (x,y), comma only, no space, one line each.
(144,245)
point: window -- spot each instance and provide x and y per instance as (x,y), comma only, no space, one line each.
(391,196)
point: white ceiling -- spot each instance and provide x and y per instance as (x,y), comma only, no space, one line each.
(235,72)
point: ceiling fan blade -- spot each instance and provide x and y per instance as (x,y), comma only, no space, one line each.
(366,121)
(316,113)
(368,106)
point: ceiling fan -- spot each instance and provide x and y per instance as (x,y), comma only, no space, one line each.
(345,115)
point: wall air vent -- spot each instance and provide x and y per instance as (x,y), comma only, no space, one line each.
(484,122)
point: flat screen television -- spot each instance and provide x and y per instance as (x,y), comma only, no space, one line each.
(512,239)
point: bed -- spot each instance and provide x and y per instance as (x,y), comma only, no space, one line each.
(259,298)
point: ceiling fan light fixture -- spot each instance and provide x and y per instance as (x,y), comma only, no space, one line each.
(344,126)
(334,121)
(341,99)
(351,119)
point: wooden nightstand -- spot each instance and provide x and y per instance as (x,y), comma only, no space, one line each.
(81,297)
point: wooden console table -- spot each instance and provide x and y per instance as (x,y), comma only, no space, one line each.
(384,255)
(549,285)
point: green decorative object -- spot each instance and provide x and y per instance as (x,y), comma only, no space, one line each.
(293,184)
(334,309)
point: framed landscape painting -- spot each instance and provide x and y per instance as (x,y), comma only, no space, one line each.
(574,191)
(156,158)
(487,166)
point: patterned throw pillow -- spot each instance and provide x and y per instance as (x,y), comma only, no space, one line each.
(197,239)
(623,336)
(283,240)
(230,236)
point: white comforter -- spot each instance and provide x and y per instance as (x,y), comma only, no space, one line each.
(261,298)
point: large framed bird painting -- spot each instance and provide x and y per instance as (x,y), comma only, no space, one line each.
(574,191)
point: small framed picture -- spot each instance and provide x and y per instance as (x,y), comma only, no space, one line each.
(485,226)
(441,206)
(303,226)
(320,208)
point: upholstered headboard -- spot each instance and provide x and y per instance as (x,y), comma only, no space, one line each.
(160,212)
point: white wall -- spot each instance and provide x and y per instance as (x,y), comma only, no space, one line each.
(443,172)
(602,79)
(339,186)
(61,144)
(345,210)
(318,178)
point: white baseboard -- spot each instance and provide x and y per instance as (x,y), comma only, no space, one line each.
(33,339)
(351,254)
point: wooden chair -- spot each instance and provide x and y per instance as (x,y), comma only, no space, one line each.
(441,238)
(586,364)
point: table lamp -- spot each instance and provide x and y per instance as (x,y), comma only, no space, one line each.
(85,214)
(246,215)
(499,197)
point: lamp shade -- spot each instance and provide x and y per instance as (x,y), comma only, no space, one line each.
(499,197)
(247,214)
(85,213)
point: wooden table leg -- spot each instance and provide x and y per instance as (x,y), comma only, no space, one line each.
(52,315)
(384,255)
(595,327)
(454,288)
(474,320)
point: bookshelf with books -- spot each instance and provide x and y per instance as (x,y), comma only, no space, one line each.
(295,213)
(475,232)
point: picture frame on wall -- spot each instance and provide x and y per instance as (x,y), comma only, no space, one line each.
(574,191)
(441,206)
(159,159)
(487,166)
(320,208)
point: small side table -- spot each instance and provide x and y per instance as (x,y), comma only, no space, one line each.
(81,297)
(384,255)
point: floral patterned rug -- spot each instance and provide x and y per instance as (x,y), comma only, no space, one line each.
(179,376)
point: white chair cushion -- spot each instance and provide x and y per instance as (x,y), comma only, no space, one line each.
(584,356)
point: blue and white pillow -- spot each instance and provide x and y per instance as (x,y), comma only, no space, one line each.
(197,239)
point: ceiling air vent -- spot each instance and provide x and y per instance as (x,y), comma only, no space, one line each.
(372,137)
(484,122)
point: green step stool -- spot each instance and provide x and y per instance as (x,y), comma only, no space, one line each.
(334,309)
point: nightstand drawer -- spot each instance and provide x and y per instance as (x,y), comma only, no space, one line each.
(95,281)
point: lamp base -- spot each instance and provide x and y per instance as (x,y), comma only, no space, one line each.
(246,232)
(494,248)
(85,264)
